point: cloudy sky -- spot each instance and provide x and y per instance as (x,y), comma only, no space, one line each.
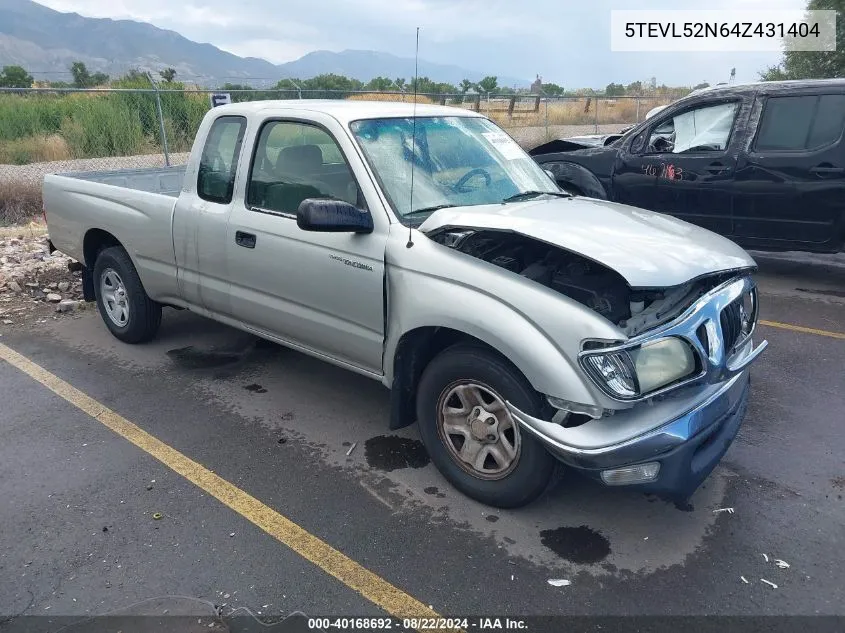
(565,41)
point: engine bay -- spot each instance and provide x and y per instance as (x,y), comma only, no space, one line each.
(593,285)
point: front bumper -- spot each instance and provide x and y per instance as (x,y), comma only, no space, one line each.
(687,447)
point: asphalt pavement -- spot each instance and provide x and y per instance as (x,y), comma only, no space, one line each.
(92,524)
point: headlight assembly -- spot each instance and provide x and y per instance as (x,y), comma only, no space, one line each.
(631,374)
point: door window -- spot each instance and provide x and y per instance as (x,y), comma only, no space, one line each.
(219,160)
(294,161)
(704,129)
(801,123)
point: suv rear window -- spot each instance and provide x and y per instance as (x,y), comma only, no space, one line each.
(801,123)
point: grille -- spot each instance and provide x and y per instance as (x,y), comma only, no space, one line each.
(731,319)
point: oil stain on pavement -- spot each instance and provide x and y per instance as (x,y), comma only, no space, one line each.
(193,358)
(581,545)
(391,452)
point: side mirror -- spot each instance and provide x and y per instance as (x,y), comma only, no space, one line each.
(332,216)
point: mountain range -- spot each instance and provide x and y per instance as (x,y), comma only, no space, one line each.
(46,42)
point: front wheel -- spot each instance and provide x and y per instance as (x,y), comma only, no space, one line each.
(127,311)
(469,433)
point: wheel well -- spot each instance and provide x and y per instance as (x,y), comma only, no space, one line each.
(414,352)
(95,241)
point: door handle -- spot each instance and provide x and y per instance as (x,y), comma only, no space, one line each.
(826,170)
(717,168)
(247,240)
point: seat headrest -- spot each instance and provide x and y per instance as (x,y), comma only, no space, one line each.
(299,159)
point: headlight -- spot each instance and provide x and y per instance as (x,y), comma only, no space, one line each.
(629,374)
(662,362)
(615,371)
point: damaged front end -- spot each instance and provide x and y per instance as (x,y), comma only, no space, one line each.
(679,377)
(584,280)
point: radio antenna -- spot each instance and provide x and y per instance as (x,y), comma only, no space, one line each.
(414,135)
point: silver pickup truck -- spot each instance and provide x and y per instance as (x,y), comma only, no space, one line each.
(519,326)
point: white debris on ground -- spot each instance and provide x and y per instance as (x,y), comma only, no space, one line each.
(782,563)
(32,281)
(559,582)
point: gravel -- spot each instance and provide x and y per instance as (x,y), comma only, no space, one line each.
(32,281)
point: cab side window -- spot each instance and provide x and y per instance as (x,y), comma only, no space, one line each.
(219,160)
(294,161)
(794,124)
(703,129)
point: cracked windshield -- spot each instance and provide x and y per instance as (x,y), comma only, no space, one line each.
(456,161)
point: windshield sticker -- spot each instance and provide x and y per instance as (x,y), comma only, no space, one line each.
(505,145)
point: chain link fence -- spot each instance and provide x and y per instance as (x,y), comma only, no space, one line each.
(60,130)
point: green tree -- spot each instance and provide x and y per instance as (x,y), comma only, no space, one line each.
(82,77)
(552,90)
(331,82)
(465,86)
(445,88)
(381,84)
(814,64)
(488,84)
(634,88)
(168,74)
(424,85)
(15,77)
(614,90)
(400,84)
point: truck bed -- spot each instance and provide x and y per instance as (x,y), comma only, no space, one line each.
(163,180)
(134,206)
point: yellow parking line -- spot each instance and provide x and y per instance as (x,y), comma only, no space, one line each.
(804,330)
(374,588)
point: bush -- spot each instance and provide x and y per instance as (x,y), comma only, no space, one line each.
(96,124)
(34,149)
(19,201)
(105,127)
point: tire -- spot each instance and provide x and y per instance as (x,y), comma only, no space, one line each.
(476,370)
(114,269)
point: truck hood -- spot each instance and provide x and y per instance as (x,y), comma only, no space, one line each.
(648,249)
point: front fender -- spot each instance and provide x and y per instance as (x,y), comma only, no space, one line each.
(538,330)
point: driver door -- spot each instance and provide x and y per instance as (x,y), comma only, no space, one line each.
(693,156)
(323,292)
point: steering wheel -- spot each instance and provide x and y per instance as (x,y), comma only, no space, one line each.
(460,186)
(662,144)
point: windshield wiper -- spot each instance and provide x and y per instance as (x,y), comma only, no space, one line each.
(436,207)
(526,195)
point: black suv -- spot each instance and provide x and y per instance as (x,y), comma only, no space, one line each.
(762,164)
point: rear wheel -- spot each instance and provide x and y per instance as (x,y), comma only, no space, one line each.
(469,433)
(127,311)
